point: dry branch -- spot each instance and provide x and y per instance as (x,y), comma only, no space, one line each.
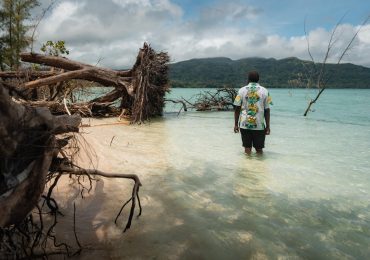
(320,75)
(220,100)
(76,70)
(26,74)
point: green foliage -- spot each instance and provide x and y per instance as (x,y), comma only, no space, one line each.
(35,66)
(289,72)
(54,48)
(14,15)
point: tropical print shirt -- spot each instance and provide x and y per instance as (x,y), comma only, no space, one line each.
(253,99)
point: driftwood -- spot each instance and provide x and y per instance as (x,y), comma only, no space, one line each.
(32,143)
(220,100)
(141,89)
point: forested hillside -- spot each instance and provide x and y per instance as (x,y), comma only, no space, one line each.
(289,72)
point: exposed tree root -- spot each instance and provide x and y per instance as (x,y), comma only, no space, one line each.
(135,190)
(33,238)
(38,148)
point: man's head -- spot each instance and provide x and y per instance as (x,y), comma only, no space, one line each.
(253,76)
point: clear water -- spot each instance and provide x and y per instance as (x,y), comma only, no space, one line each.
(307,197)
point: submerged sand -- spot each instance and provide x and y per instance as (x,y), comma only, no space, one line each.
(193,194)
(112,146)
(204,199)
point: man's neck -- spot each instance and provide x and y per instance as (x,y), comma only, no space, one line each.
(250,84)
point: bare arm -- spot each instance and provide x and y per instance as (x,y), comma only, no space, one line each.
(236,118)
(267,119)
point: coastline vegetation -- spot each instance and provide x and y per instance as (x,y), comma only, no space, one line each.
(218,72)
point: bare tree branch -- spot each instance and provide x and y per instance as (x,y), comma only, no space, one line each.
(320,82)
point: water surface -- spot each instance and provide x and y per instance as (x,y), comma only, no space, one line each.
(307,197)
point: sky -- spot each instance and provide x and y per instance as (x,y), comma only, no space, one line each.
(110,32)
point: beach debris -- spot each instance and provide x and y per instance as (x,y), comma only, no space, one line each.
(221,99)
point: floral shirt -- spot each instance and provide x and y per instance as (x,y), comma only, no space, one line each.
(253,99)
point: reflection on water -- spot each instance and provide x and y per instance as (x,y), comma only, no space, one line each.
(307,197)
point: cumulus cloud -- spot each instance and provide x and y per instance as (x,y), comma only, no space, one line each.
(113,30)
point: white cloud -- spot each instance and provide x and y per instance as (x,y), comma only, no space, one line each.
(114,30)
(61,13)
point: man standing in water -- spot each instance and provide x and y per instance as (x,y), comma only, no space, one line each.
(252,110)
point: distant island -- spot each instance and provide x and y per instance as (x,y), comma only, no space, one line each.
(288,72)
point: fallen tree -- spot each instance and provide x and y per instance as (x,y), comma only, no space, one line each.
(141,89)
(37,142)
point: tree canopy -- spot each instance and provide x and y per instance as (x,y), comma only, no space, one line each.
(14,15)
(218,72)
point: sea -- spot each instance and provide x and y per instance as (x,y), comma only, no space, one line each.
(307,197)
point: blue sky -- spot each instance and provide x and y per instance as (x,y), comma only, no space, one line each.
(286,17)
(113,30)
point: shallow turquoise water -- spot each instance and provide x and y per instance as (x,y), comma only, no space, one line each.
(308,197)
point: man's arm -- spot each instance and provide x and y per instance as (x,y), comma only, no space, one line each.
(236,118)
(267,119)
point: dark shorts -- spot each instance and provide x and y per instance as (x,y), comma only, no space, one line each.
(253,137)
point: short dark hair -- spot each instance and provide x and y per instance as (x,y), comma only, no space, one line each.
(253,76)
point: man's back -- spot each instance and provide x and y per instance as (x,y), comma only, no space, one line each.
(253,99)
